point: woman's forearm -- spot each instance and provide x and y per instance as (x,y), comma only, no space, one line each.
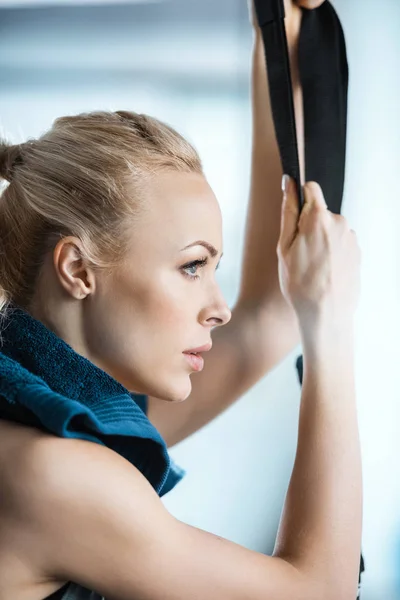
(320,531)
(259,280)
(259,277)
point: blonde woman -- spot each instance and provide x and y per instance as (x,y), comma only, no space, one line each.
(110,237)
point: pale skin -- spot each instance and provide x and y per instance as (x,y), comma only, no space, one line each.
(118,538)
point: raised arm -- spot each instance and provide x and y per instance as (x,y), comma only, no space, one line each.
(259,282)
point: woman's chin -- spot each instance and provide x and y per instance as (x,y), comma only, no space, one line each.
(179,393)
(172,389)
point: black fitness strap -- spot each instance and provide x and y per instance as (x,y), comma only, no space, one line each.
(271,15)
(323,72)
(324,79)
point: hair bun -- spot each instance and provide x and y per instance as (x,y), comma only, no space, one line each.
(10,156)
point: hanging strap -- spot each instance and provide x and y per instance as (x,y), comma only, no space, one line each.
(271,15)
(324,79)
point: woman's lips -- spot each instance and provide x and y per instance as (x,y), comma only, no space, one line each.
(195,360)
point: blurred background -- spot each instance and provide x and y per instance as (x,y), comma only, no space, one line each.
(188,63)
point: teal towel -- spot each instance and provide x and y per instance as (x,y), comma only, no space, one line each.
(44,383)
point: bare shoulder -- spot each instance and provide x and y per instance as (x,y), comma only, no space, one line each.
(70,475)
(21,489)
(50,487)
(97,521)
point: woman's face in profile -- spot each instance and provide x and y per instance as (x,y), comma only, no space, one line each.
(157,304)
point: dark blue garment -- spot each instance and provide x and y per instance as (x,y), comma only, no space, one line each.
(45,384)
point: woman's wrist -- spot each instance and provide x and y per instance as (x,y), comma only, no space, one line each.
(329,338)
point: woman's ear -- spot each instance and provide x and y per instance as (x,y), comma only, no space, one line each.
(71,270)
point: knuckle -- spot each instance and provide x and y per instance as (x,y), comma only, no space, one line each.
(342,224)
(317,218)
(318,208)
(312,186)
(340,219)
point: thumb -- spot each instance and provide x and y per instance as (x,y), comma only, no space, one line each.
(290,213)
(313,197)
(313,201)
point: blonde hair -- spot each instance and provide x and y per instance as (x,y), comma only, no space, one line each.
(85,177)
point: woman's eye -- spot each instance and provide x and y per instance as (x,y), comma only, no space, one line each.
(190,270)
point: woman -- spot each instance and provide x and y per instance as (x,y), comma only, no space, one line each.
(110,238)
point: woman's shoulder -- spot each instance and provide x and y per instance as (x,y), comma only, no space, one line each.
(72,502)
(43,475)
(38,465)
(17,445)
(48,485)
(33,465)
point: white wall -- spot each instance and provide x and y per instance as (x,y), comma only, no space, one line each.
(239,466)
(372,203)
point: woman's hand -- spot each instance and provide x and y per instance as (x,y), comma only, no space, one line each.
(289,4)
(319,260)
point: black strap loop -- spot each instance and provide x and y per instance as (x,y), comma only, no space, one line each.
(270,15)
(324,77)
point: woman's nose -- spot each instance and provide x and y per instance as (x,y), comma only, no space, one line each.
(223,317)
(218,312)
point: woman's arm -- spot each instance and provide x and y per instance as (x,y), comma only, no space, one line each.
(97,521)
(263,329)
(259,282)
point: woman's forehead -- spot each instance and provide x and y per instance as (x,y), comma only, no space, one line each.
(180,209)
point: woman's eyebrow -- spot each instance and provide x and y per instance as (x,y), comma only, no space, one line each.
(213,251)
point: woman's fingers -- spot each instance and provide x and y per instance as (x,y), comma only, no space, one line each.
(313,196)
(290,214)
(314,204)
(293,220)
(309,3)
